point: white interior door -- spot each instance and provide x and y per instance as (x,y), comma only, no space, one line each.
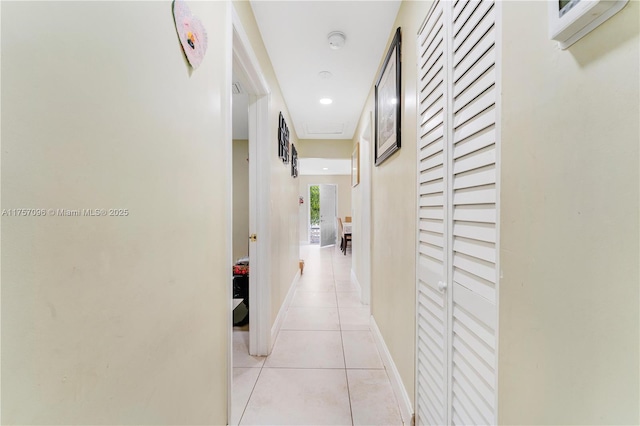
(474,235)
(458,210)
(432,338)
(248,70)
(327,215)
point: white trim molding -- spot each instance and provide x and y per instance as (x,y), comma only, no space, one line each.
(400,391)
(282,313)
(245,61)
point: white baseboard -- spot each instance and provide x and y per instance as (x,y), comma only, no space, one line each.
(404,402)
(283,309)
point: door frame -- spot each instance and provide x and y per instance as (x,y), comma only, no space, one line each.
(247,67)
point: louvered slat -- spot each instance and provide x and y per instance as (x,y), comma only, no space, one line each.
(476,141)
(475,160)
(479,28)
(430,149)
(477,249)
(476,106)
(433,238)
(432,187)
(478,195)
(432,91)
(462,11)
(475,266)
(463,28)
(486,43)
(470,70)
(481,122)
(478,86)
(474,178)
(475,231)
(482,287)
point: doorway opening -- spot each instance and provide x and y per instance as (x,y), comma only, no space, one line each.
(322,219)
(314,214)
(255,237)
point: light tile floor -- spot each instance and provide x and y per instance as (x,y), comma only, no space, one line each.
(324,368)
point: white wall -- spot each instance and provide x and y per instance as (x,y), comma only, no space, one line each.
(240,199)
(114,320)
(324,148)
(569,299)
(361,202)
(394,213)
(343,205)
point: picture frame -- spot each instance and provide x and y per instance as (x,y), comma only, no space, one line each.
(283,139)
(355,166)
(280,135)
(570,20)
(294,161)
(388,103)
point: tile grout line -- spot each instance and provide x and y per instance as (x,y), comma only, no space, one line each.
(346,376)
(253,388)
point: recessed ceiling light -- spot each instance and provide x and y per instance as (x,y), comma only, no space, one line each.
(325,168)
(326,101)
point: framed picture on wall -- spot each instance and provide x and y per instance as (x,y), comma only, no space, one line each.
(280,135)
(355,166)
(285,148)
(283,139)
(294,161)
(387,104)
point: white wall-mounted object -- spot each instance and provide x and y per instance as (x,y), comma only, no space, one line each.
(336,39)
(569,21)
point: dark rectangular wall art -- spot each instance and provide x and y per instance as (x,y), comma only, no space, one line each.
(387,103)
(294,161)
(283,139)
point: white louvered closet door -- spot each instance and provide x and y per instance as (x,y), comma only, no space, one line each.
(457,322)
(431,339)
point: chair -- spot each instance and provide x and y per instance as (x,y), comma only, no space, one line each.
(347,219)
(347,240)
(344,238)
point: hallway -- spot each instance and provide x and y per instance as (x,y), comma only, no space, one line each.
(324,367)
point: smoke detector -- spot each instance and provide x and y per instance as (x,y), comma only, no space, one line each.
(336,39)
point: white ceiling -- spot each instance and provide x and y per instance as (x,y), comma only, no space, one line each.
(295,35)
(324,166)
